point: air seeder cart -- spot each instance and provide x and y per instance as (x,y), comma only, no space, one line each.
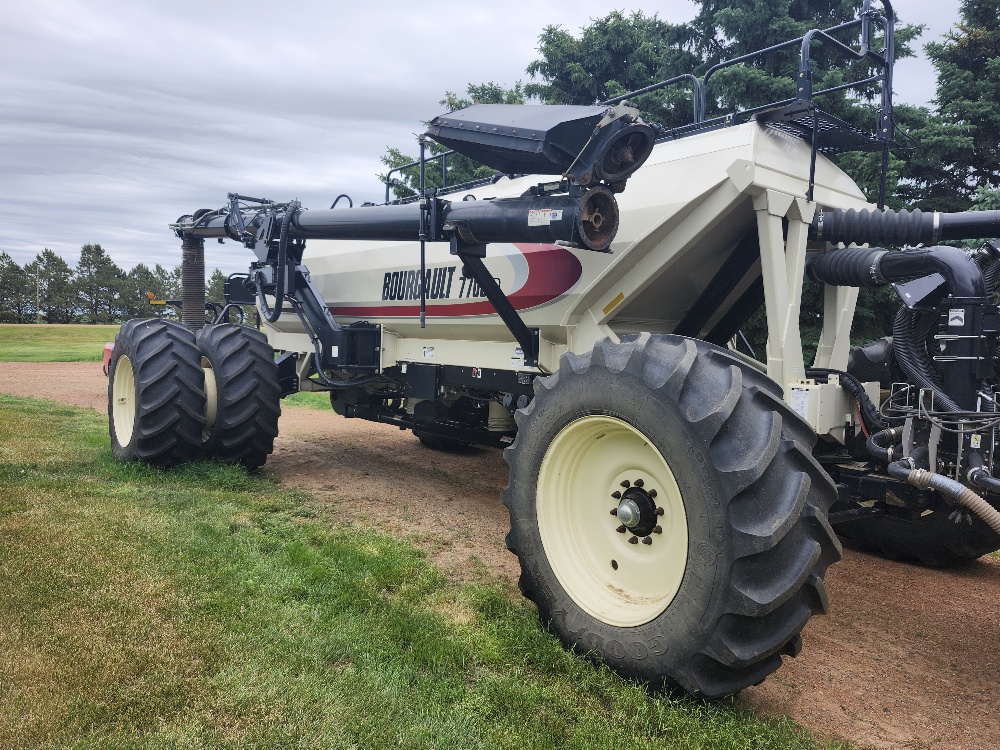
(672,499)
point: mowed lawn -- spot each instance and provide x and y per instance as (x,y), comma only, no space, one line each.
(208,607)
(53,343)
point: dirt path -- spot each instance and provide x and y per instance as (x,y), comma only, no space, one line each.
(906,659)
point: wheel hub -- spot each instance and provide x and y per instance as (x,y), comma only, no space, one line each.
(628,513)
(637,511)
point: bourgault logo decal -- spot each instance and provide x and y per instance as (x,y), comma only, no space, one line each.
(406,284)
(552,271)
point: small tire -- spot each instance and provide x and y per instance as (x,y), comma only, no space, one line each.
(241,374)
(156,393)
(711,602)
(932,539)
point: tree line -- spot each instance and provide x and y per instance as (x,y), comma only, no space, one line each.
(97,290)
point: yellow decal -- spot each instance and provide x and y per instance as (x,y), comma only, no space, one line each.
(614,303)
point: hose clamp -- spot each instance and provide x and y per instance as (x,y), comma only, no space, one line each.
(936,230)
(875,271)
(920,478)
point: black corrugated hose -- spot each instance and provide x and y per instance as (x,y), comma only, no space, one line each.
(909,335)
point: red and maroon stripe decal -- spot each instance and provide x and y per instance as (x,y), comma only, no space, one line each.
(552,271)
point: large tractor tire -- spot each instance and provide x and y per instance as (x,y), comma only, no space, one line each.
(156,394)
(244,395)
(935,539)
(668,515)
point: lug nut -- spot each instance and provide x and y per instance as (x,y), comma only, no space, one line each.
(633,540)
(621,529)
(616,495)
(614,511)
(647,540)
(652,494)
(626,484)
(639,483)
(659,511)
(657,530)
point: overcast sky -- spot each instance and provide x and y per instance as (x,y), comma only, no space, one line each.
(117,117)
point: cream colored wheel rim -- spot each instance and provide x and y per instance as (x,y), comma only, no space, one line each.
(123,395)
(211,399)
(619,583)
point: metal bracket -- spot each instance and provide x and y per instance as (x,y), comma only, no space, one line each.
(472,258)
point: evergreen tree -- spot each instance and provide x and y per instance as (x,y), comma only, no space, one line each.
(168,287)
(56,290)
(133,287)
(620,53)
(959,149)
(98,282)
(215,287)
(460,169)
(614,55)
(16,287)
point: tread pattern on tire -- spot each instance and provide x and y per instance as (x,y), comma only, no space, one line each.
(170,392)
(248,394)
(779,542)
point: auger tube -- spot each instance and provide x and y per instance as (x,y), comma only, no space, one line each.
(588,220)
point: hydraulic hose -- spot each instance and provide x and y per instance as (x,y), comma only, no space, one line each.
(898,228)
(318,359)
(271,316)
(957,492)
(982,478)
(884,446)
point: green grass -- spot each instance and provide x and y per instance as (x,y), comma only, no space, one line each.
(54,343)
(205,607)
(308,399)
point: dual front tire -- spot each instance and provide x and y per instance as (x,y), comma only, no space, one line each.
(175,397)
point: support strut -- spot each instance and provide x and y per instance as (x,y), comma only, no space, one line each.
(472,258)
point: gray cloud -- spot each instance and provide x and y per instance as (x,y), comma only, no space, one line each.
(117,117)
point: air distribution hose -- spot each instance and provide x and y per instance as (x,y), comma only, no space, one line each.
(900,228)
(192,281)
(871,267)
(909,332)
(959,493)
